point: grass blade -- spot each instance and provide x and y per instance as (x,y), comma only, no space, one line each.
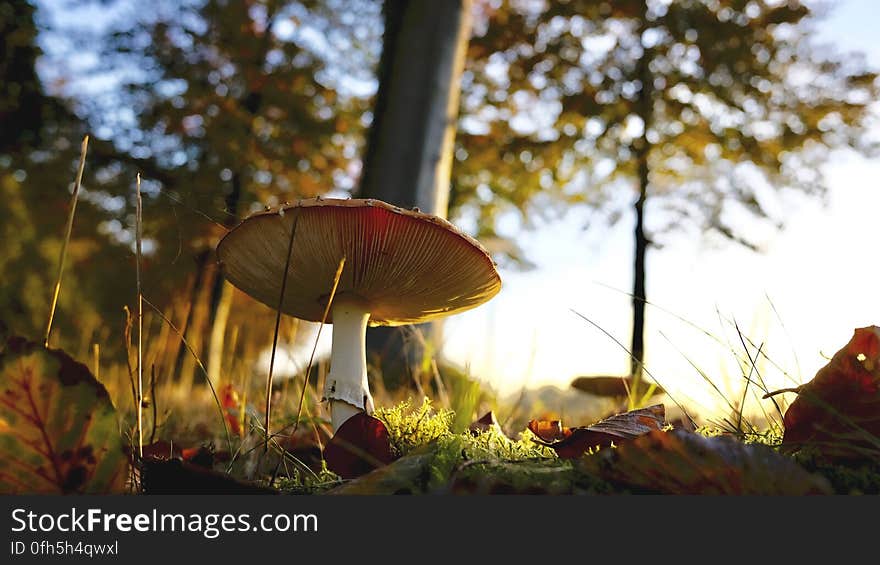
(275,334)
(67,233)
(615,340)
(140,314)
(315,347)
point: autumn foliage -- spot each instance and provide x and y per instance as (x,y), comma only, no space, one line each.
(838,412)
(360,445)
(571,443)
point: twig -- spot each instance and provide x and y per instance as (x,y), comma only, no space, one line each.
(796,389)
(153,401)
(126,332)
(67,233)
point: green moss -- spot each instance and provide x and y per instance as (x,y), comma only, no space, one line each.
(845,477)
(432,457)
(410,428)
(304,482)
(771,437)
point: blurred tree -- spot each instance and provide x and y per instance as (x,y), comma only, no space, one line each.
(21,94)
(408,157)
(39,147)
(227,107)
(706,110)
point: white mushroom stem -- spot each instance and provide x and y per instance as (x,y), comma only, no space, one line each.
(346,386)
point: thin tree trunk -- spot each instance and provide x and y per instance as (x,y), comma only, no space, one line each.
(637,347)
(645,109)
(218,330)
(193,290)
(408,160)
(221,299)
(182,308)
(198,324)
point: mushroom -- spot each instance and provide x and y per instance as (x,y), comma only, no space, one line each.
(617,388)
(401,267)
(611,387)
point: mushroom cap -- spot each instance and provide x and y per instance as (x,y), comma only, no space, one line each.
(403,266)
(610,387)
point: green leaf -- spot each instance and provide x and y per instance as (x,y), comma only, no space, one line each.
(58,428)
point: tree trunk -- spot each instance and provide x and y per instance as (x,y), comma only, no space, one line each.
(408,159)
(222,294)
(196,320)
(645,108)
(637,347)
(218,330)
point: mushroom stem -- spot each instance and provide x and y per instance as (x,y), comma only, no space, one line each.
(346,386)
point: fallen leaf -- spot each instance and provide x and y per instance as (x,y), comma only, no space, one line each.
(682,462)
(174,476)
(161,449)
(837,413)
(58,429)
(575,442)
(360,445)
(549,430)
(488,422)
(405,475)
(202,455)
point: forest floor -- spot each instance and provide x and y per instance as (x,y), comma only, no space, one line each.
(62,430)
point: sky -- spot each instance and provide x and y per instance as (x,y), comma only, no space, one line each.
(799,300)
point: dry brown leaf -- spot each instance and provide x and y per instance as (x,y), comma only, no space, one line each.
(575,442)
(838,412)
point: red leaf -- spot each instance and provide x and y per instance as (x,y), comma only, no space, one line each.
(162,449)
(360,445)
(838,412)
(202,456)
(617,429)
(231,403)
(486,423)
